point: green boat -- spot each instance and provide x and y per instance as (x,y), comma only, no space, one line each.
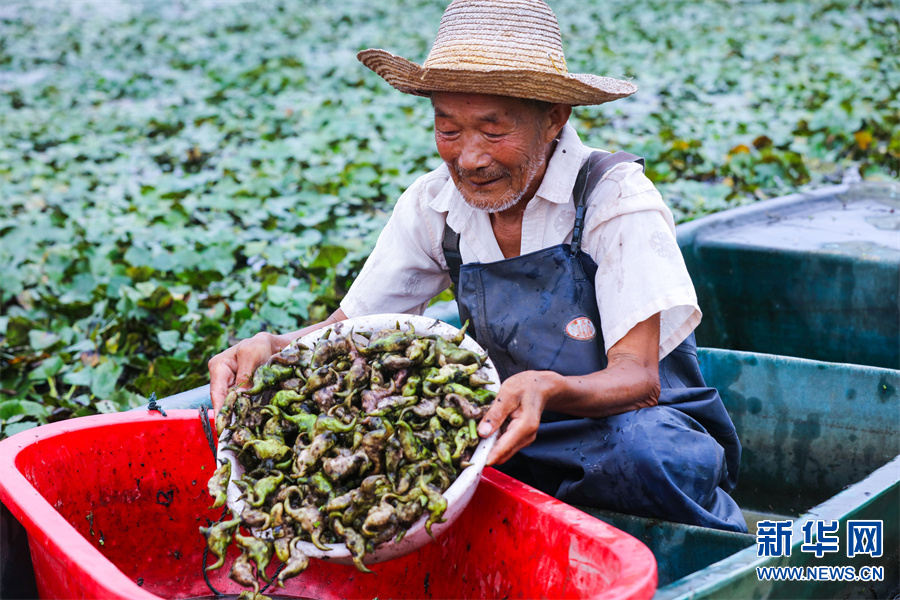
(820,442)
(813,275)
(805,276)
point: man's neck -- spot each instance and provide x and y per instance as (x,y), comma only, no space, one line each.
(507,226)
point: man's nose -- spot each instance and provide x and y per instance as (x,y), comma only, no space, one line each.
(473,157)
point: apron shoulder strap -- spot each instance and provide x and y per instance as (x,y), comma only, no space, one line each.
(593,169)
(452,255)
(598,164)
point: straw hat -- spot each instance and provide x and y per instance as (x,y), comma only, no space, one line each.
(503,47)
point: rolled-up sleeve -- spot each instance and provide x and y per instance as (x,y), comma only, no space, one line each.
(406,269)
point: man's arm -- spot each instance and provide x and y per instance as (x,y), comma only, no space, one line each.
(236,365)
(630,381)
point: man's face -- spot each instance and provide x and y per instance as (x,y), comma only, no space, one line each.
(495,147)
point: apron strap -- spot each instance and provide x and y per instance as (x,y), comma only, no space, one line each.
(598,164)
(592,171)
(452,255)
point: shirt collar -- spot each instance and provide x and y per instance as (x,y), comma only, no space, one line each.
(450,201)
(559,179)
(556,187)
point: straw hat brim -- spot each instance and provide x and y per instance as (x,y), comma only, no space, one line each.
(566,88)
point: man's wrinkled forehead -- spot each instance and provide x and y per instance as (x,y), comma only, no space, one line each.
(507,107)
(491,117)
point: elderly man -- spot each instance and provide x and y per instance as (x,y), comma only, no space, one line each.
(565,262)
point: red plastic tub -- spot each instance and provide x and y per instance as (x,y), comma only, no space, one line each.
(112,506)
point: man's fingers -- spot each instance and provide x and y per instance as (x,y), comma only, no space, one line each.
(236,365)
(246,365)
(514,438)
(217,390)
(524,414)
(496,414)
(221,377)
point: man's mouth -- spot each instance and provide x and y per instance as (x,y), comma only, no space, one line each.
(480,179)
(482,183)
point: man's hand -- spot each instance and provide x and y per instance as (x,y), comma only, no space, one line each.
(522,399)
(236,365)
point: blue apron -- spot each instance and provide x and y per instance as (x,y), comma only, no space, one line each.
(674,461)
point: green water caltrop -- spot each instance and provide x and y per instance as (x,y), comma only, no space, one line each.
(218,484)
(218,538)
(350,442)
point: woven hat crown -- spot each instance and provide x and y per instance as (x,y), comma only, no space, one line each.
(494,35)
(503,47)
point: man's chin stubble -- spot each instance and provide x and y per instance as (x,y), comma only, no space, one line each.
(508,200)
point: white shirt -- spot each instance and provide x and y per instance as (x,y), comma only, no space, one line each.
(629,232)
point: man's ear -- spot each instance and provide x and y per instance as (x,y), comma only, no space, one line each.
(557,116)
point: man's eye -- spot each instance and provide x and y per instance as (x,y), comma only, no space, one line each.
(447,133)
(493,136)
